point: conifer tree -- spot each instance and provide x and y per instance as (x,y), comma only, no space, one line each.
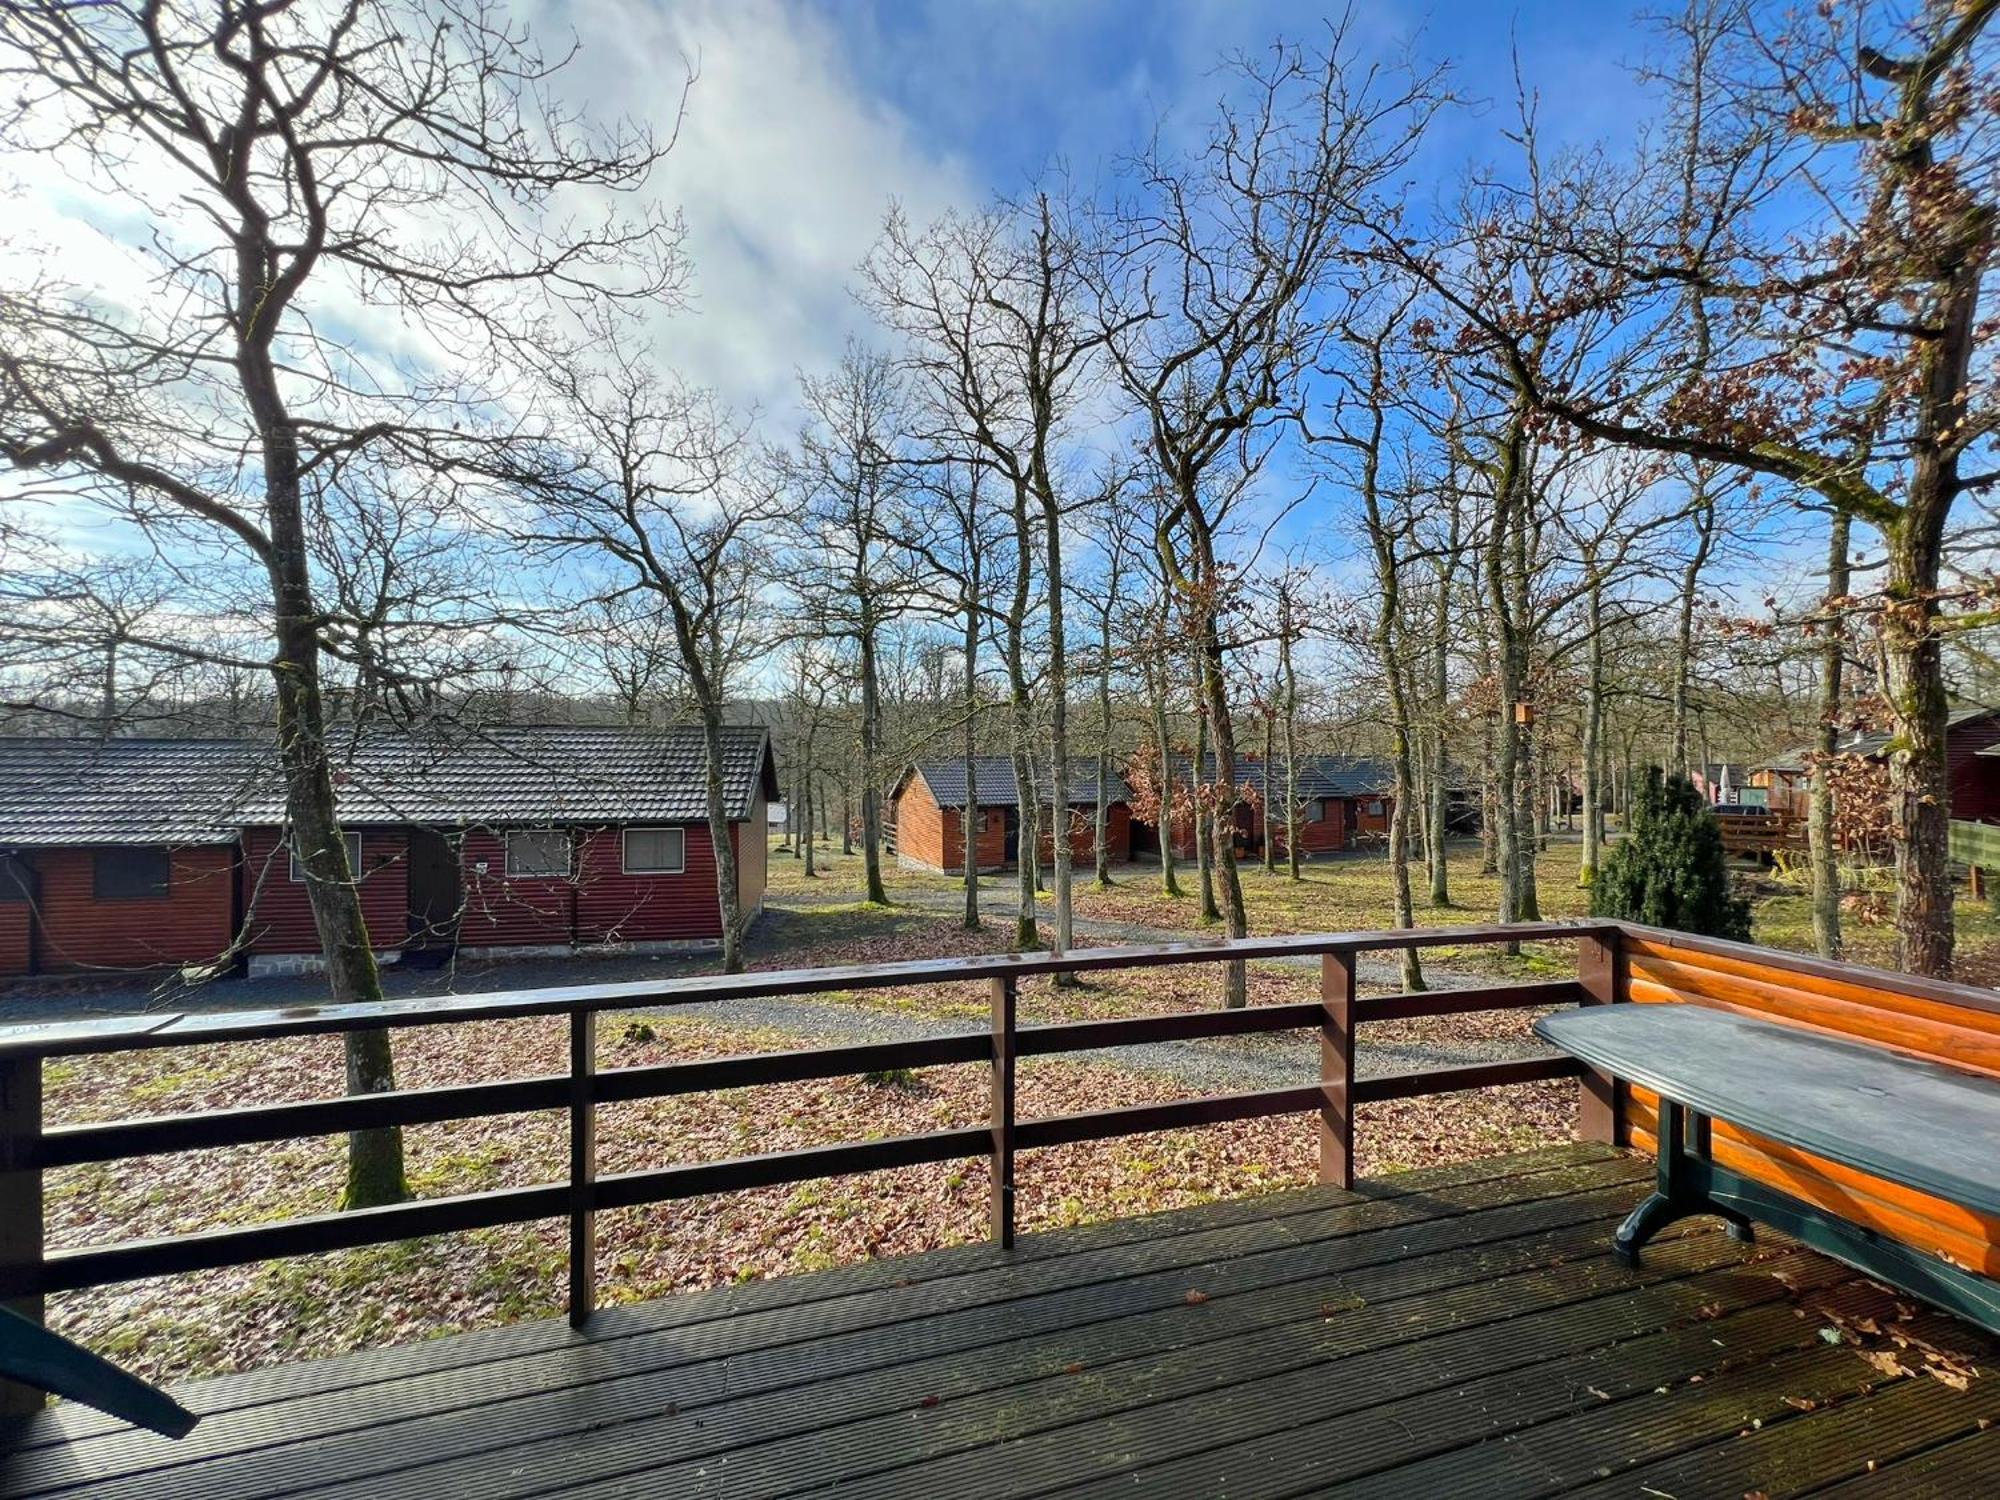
(1671,871)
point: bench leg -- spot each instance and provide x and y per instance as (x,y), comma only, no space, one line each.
(1645,1221)
(1700,1144)
(1678,1191)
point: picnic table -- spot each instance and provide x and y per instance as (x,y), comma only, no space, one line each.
(1927,1127)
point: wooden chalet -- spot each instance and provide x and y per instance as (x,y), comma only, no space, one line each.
(1344,803)
(1972,756)
(140,854)
(927,808)
(1482,1329)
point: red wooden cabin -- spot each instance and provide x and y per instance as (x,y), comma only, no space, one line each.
(138,854)
(927,812)
(1344,802)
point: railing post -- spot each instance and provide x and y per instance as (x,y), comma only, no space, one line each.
(1601,974)
(21,1219)
(1004,999)
(582,1166)
(1336,1069)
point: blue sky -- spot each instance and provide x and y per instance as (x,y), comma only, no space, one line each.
(1015,85)
(807,118)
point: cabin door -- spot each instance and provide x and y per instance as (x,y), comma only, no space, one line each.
(1350,822)
(1011,850)
(436,890)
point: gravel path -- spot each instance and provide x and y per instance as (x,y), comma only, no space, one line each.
(1223,1064)
(1369,968)
(1218,1065)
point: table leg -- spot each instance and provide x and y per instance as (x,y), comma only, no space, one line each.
(1661,1207)
(1679,1188)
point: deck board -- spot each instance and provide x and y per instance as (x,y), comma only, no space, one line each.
(1458,1331)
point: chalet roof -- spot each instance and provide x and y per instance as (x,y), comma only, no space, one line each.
(201,791)
(1319,775)
(91,791)
(1874,743)
(995,785)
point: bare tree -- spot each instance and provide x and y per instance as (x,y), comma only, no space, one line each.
(1842,360)
(992,305)
(852,476)
(647,482)
(399,156)
(1206,283)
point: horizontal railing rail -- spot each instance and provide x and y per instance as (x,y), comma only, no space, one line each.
(29,1269)
(181,1029)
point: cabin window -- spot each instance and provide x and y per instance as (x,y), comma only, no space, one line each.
(538,853)
(655,851)
(137,874)
(1314,811)
(1375,808)
(16,881)
(353,859)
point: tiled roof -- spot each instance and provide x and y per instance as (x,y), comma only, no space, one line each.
(995,784)
(201,791)
(61,791)
(1319,775)
(1873,744)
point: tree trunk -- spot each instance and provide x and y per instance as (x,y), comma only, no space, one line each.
(806,821)
(1102,820)
(1061,848)
(1821,835)
(1027,929)
(1593,732)
(375,1156)
(1270,746)
(871,768)
(969,815)
(1289,675)
(1204,819)
(1156,673)
(727,894)
(1704,517)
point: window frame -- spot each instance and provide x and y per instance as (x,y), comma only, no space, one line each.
(625,848)
(507,853)
(297,871)
(162,892)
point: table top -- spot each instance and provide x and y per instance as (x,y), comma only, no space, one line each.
(1927,1126)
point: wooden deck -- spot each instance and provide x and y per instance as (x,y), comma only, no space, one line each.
(1456,1332)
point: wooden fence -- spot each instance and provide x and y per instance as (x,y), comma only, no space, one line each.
(29,1269)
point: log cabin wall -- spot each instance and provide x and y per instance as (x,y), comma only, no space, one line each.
(1954,1024)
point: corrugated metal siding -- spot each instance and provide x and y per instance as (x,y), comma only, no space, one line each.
(278,916)
(190,924)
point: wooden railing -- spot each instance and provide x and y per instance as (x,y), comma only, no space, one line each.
(29,1269)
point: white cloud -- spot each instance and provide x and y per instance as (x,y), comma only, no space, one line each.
(783,169)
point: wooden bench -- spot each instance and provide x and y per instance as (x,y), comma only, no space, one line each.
(1933,1129)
